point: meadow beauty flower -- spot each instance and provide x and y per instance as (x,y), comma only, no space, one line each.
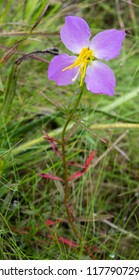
(65,69)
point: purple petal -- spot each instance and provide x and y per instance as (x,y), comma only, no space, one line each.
(57,64)
(100,78)
(107,44)
(75,34)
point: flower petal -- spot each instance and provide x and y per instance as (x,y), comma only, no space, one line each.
(100,78)
(57,64)
(107,44)
(75,34)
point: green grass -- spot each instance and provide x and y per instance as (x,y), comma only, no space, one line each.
(105,199)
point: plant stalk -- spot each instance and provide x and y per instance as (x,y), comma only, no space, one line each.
(65,165)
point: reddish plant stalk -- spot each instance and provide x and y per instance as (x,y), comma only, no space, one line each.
(65,166)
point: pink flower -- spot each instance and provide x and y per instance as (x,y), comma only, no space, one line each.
(65,69)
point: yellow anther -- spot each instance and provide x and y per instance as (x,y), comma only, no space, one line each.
(85,57)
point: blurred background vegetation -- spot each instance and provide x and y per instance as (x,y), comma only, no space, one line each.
(105,200)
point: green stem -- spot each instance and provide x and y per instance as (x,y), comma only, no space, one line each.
(65,165)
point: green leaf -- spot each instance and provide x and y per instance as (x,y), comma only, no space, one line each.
(10,90)
(1,86)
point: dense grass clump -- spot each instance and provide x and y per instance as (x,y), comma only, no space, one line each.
(104,201)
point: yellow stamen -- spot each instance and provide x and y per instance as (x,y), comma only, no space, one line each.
(85,57)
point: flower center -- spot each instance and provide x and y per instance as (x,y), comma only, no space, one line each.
(85,57)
